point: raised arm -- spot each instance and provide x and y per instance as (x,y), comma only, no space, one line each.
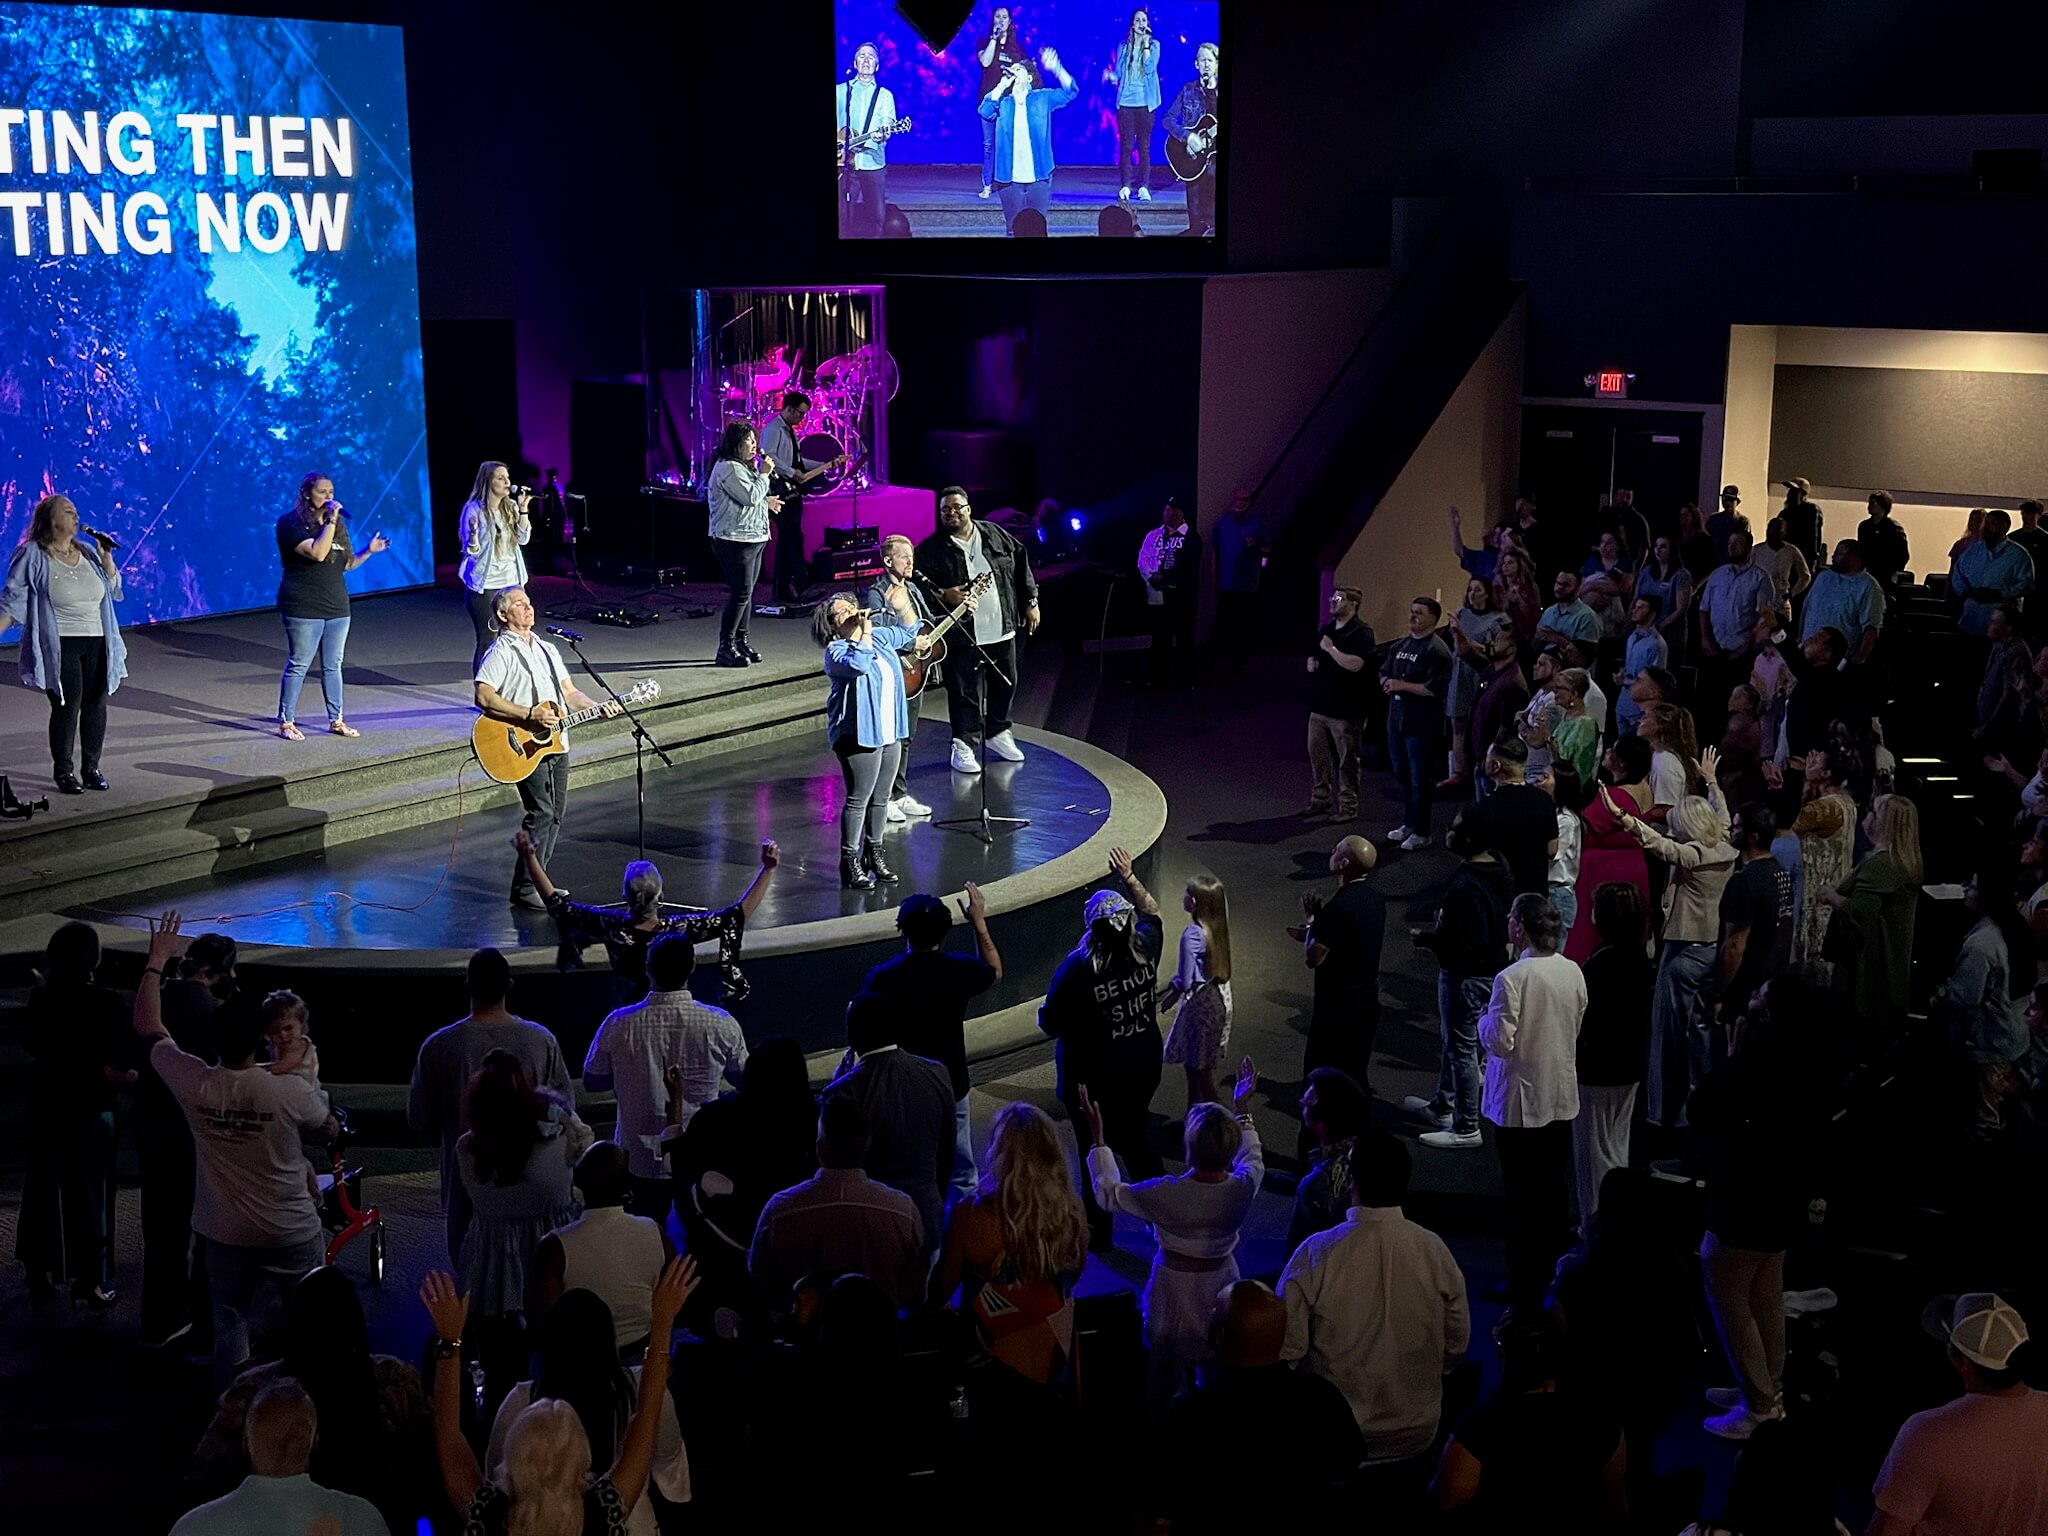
(771,858)
(1142,899)
(461,1477)
(974,907)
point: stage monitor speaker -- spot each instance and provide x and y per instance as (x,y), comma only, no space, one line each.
(978,460)
(840,536)
(2006,171)
(938,22)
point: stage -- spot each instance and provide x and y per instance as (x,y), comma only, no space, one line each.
(944,200)
(365,871)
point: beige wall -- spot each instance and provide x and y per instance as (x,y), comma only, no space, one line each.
(1932,524)
(1469,458)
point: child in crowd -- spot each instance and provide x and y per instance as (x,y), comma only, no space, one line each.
(285,1021)
(1201,988)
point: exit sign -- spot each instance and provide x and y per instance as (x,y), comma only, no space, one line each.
(1611,384)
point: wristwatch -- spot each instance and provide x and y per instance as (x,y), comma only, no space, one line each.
(446,1349)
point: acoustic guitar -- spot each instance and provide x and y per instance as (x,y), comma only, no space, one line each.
(509,752)
(917,669)
(871,138)
(1188,162)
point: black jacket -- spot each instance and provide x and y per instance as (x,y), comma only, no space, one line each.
(942,563)
(1471,933)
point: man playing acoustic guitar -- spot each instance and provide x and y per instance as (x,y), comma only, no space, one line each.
(1190,125)
(521,680)
(894,595)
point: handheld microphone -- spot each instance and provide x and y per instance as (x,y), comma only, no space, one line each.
(520,490)
(567,634)
(340,511)
(98,537)
(851,72)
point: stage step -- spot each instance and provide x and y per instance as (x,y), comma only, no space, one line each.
(54,863)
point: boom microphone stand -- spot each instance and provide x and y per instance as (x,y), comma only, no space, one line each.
(983,826)
(641,739)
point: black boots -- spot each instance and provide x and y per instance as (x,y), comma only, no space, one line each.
(871,857)
(853,874)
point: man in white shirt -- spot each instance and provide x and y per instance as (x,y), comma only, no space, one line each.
(279,1494)
(1781,560)
(1377,1306)
(1531,1094)
(861,106)
(1170,561)
(252,1203)
(521,680)
(633,1051)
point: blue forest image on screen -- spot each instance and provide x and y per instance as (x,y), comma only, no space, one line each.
(207,290)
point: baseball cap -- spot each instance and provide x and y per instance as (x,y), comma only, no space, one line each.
(1800,481)
(1732,490)
(1981,1326)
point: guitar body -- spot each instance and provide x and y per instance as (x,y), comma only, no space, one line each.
(917,670)
(509,753)
(1189,165)
(872,137)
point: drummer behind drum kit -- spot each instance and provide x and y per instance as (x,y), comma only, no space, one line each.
(840,392)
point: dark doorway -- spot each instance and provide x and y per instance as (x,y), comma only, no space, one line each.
(1573,457)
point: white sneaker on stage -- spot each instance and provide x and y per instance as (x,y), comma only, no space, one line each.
(910,806)
(964,760)
(1004,745)
(1144,194)
(895,813)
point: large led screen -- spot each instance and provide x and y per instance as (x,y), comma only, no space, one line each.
(208,290)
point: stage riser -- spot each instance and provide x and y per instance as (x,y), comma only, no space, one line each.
(59,862)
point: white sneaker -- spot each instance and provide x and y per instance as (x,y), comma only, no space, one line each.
(1004,745)
(1738,1423)
(910,805)
(895,813)
(1144,194)
(1123,194)
(1400,834)
(964,760)
(1415,840)
(986,193)
(1821,1299)
(1724,1398)
(1421,1108)
(1451,1140)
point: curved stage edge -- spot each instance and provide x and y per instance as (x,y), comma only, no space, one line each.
(372,1006)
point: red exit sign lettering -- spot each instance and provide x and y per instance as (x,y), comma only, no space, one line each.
(1612,382)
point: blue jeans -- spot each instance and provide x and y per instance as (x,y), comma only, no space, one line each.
(1680,1051)
(1018,195)
(1459,1002)
(988,151)
(237,1275)
(965,1177)
(1415,769)
(1564,900)
(304,637)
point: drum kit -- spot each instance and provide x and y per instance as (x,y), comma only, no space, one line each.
(840,391)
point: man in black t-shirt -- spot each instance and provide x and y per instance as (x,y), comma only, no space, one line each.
(1757,919)
(1341,944)
(1340,693)
(1518,820)
(928,991)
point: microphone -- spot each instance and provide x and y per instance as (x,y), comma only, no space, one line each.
(520,490)
(569,635)
(103,538)
(341,511)
(851,72)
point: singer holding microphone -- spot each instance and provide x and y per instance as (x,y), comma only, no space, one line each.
(63,590)
(495,530)
(740,507)
(867,722)
(314,545)
(898,601)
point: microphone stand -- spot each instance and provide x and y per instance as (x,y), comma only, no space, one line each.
(642,740)
(983,826)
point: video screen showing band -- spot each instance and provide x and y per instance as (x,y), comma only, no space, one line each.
(1047,118)
(208,292)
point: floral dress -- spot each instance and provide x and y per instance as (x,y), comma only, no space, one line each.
(1827,844)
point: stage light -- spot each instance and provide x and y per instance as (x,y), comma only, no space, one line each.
(1074,523)
(938,22)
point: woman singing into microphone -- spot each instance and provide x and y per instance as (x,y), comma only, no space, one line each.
(495,529)
(740,505)
(866,721)
(63,590)
(313,542)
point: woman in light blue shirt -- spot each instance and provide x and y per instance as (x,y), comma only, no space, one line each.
(1135,74)
(63,588)
(494,529)
(867,720)
(740,508)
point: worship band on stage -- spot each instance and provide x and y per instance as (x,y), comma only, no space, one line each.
(1021,88)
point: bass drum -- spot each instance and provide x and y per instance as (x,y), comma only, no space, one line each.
(829,445)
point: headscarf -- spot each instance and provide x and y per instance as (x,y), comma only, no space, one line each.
(1108,915)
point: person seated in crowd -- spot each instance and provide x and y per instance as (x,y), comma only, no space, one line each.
(628,929)
(1269,1415)
(840,1221)
(735,1152)
(615,1256)
(1378,1307)
(449,1059)
(928,989)
(633,1050)
(1974,1464)
(280,1431)
(1334,1109)
(1533,1450)
(908,1101)
(1196,1216)
(578,1365)
(547,1453)
(376,1438)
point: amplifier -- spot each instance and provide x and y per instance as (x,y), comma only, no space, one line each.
(847,565)
(857,536)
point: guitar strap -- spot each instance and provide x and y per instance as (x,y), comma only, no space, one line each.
(520,650)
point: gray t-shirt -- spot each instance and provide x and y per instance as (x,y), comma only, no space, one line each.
(449,1058)
(989,628)
(246,1127)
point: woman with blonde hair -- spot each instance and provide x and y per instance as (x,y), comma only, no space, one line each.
(1826,829)
(63,589)
(549,1489)
(1200,988)
(494,529)
(1013,1253)
(1196,1216)
(1575,739)
(1871,932)
(1515,594)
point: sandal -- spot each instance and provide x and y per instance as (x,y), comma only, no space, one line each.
(289,731)
(342,728)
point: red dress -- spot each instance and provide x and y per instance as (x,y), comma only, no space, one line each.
(1608,852)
